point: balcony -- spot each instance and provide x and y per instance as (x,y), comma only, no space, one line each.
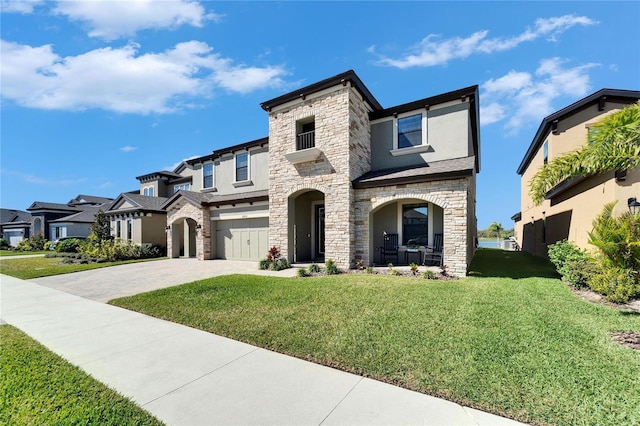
(306,140)
(305,148)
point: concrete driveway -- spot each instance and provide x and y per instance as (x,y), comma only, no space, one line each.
(104,284)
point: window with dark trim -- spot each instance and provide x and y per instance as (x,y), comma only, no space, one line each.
(410,131)
(129,229)
(545,152)
(118,229)
(207,175)
(242,167)
(415,224)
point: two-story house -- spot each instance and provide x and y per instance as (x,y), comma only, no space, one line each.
(569,209)
(337,172)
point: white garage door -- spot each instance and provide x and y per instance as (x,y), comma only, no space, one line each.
(14,237)
(242,239)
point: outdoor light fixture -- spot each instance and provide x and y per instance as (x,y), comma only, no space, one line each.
(167,228)
(198,226)
(634,205)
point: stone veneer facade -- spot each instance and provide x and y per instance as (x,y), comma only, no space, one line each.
(452,195)
(342,134)
(183,209)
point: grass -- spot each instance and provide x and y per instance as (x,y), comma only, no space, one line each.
(36,267)
(40,388)
(8,253)
(510,339)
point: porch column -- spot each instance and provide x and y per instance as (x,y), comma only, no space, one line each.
(186,238)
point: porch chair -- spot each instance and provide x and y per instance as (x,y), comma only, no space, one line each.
(434,253)
(390,247)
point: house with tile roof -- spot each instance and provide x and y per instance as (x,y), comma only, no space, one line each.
(337,173)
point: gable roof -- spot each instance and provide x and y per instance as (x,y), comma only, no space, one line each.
(342,78)
(85,216)
(88,199)
(43,205)
(138,201)
(602,95)
(200,199)
(14,216)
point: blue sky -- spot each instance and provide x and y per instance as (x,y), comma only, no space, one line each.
(96,93)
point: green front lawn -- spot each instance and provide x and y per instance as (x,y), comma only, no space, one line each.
(35,267)
(6,253)
(37,387)
(510,339)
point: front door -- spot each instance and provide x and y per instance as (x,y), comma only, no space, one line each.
(319,230)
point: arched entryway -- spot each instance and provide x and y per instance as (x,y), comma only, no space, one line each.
(415,221)
(183,238)
(306,224)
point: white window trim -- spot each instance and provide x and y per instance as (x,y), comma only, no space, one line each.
(150,191)
(213,177)
(414,149)
(177,188)
(235,182)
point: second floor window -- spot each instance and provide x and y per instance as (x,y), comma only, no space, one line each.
(410,131)
(242,167)
(207,175)
(184,186)
(545,152)
(148,191)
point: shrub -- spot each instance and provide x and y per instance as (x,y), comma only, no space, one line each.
(274,261)
(617,238)
(4,244)
(314,268)
(115,250)
(359,265)
(395,272)
(414,268)
(429,275)
(369,269)
(68,246)
(573,264)
(35,243)
(331,268)
(617,284)
(303,273)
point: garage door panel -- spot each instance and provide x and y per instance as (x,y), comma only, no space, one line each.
(242,239)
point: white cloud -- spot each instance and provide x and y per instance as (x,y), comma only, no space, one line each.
(111,20)
(121,80)
(128,148)
(530,96)
(24,7)
(432,50)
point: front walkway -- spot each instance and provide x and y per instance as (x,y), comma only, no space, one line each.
(187,376)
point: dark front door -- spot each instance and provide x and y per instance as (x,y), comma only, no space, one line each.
(319,230)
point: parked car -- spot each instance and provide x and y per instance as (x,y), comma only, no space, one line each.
(56,242)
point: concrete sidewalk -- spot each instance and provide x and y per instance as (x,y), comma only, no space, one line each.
(185,376)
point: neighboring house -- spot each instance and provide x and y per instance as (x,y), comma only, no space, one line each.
(138,218)
(56,220)
(569,209)
(336,173)
(14,225)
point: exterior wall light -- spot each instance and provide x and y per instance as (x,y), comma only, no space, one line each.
(167,228)
(634,205)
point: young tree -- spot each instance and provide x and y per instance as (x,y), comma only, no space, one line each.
(614,144)
(101,227)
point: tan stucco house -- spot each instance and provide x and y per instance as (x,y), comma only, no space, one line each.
(336,173)
(569,209)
